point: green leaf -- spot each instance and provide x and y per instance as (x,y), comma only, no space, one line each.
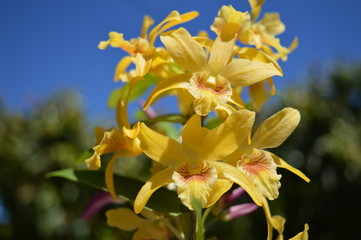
(85,155)
(127,188)
(139,89)
(114,98)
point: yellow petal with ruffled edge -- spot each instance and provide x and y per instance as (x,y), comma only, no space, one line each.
(209,92)
(260,167)
(302,235)
(226,171)
(162,149)
(244,72)
(197,185)
(283,164)
(276,129)
(184,50)
(124,218)
(93,163)
(112,141)
(179,81)
(158,180)
(220,55)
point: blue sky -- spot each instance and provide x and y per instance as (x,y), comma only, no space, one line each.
(49,45)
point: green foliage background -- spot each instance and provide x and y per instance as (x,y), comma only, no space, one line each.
(326,147)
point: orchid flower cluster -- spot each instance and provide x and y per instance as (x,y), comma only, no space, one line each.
(218,157)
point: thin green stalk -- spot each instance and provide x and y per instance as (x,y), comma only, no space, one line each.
(175,231)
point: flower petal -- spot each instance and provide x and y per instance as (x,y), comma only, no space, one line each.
(160,148)
(302,235)
(276,129)
(121,67)
(185,51)
(239,210)
(158,180)
(93,163)
(220,187)
(197,185)
(151,230)
(174,18)
(124,218)
(109,180)
(283,164)
(259,95)
(220,55)
(244,72)
(260,167)
(227,171)
(228,136)
(257,55)
(193,133)
(179,81)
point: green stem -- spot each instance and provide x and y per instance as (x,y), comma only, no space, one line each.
(199,228)
(175,231)
(175,118)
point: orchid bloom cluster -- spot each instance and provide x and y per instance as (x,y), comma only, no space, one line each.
(219,157)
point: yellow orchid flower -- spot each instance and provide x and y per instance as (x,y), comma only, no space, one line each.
(141,50)
(262,34)
(209,80)
(195,165)
(261,165)
(122,142)
(150,226)
(230,22)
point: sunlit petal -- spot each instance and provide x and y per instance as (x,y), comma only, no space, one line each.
(160,148)
(276,129)
(244,72)
(185,51)
(220,55)
(227,137)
